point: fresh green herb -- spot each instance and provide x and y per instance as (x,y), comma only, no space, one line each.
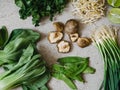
(39,9)
(3,36)
(114,3)
(69,69)
(106,42)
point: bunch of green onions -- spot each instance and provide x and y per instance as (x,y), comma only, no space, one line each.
(105,40)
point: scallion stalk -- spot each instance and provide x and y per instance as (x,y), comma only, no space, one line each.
(106,41)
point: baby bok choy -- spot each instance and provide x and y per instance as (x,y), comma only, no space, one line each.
(18,40)
(23,64)
(29,68)
(105,40)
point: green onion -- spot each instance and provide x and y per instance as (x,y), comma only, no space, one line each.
(106,42)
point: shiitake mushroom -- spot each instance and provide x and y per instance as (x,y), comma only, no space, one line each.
(71,26)
(59,26)
(55,36)
(83,42)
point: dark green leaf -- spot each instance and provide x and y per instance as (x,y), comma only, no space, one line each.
(39,9)
(3,36)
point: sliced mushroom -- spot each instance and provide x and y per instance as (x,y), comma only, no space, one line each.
(55,37)
(71,26)
(74,37)
(63,47)
(83,42)
(58,26)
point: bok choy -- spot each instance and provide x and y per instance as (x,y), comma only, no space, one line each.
(18,40)
(23,64)
(29,67)
(3,36)
(106,42)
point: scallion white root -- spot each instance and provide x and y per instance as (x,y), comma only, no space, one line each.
(105,40)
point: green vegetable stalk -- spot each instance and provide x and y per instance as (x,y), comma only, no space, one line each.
(29,67)
(23,64)
(69,69)
(106,42)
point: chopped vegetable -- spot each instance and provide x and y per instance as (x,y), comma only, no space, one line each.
(3,36)
(114,15)
(58,26)
(106,41)
(63,47)
(39,9)
(69,69)
(88,10)
(71,26)
(74,37)
(55,37)
(83,42)
(114,3)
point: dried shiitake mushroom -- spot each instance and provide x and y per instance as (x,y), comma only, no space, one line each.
(71,26)
(59,26)
(74,37)
(83,42)
(55,36)
(63,47)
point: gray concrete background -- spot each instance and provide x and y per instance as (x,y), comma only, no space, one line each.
(10,18)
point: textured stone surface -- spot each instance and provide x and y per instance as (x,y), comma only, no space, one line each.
(10,18)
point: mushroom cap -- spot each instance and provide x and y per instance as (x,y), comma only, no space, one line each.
(55,36)
(83,42)
(63,47)
(74,37)
(59,26)
(71,26)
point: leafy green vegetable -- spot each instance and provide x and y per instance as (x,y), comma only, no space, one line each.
(23,64)
(39,9)
(114,3)
(114,15)
(18,40)
(29,67)
(69,69)
(3,36)
(37,83)
(106,42)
